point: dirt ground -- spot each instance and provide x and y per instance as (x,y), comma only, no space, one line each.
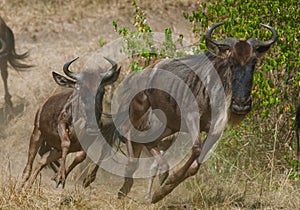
(54,32)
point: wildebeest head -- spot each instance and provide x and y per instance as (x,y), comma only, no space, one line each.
(242,56)
(85,85)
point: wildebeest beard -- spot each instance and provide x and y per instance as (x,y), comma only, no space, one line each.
(87,98)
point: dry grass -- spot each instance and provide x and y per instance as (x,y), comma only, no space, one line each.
(55,31)
(208,190)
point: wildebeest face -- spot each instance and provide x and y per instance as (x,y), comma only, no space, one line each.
(86,85)
(242,63)
(86,88)
(243,55)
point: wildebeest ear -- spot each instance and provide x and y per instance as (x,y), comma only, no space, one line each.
(216,49)
(261,50)
(63,81)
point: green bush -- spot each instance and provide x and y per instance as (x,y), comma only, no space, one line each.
(140,43)
(276,84)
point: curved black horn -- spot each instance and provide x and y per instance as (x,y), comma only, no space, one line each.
(274,35)
(112,70)
(113,63)
(255,42)
(211,29)
(3,46)
(229,42)
(112,75)
(68,72)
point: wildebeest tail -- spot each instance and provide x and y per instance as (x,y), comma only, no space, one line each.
(13,57)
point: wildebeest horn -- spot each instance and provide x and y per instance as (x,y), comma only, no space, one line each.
(3,45)
(211,29)
(113,63)
(229,42)
(110,76)
(259,43)
(68,72)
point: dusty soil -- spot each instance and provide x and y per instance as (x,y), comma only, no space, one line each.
(55,32)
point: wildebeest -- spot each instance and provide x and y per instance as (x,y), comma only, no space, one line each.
(54,122)
(231,62)
(9,55)
(297,126)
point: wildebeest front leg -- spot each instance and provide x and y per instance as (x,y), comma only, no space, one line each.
(65,145)
(163,165)
(153,170)
(158,165)
(134,150)
(188,169)
(92,176)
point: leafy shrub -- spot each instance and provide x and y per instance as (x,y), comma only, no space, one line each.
(277,80)
(141,45)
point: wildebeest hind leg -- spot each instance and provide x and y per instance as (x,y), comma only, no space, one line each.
(79,157)
(34,145)
(7,96)
(48,157)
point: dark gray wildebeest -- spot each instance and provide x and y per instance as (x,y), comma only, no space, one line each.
(297,125)
(8,55)
(54,131)
(201,93)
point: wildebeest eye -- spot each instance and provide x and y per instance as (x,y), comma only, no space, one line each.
(254,61)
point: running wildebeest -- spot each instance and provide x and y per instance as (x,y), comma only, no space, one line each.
(54,122)
(232,60)
(8,55)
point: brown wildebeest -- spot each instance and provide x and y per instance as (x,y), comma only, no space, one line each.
(8,55)
(228,68)
(54,123)
(110,135)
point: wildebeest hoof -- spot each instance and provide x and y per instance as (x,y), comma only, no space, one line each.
(62,182)
(86,182)
(147,197)
(121,195)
